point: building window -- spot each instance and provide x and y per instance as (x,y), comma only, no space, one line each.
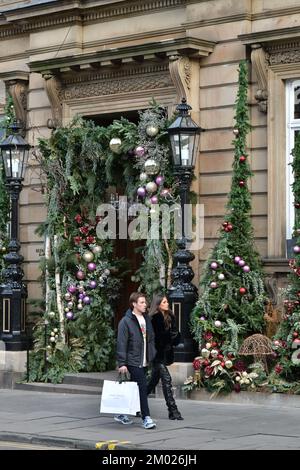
(293,127)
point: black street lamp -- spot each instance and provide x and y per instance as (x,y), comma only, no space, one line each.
(184,135)
(13,292)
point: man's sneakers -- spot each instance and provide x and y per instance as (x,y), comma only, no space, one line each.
(123,419)
(148,423)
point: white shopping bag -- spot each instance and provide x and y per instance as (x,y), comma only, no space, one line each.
(120,398)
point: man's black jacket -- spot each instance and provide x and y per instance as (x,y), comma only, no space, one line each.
(130,342)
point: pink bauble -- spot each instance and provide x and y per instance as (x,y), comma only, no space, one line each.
(91,266)
(213,285)
(93,284)
(246,269)
(86,300)
(237,259)
(159,180)
(80,275)
(165,192)
(141,191)
(69,315)
(213,265)
(296,249)
(241,263)
(72,289)
(139,151)
(154,200)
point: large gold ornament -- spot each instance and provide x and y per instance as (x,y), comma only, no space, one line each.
(151,167)
(88,256)
(152,130)
(115,145)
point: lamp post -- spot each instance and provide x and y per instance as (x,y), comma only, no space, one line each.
(13,292)
(184,136)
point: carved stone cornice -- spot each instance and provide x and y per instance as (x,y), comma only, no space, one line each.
(186,46)
(110,73)
(180,71)
(16,84)
(259,63)
(53,88)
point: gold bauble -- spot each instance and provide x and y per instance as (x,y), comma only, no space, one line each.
(115,144)
(151,167)
(152,130)
(88,256)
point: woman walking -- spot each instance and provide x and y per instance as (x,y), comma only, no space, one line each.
(166,337)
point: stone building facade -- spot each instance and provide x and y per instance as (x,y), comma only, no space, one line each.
(108,57)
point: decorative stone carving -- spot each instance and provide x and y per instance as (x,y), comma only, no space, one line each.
(284,57)
(115,86)
(53,88)
(17,89)
(259,62)
(180,71)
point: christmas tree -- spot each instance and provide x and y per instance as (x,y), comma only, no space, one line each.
(232,296)
(287,339)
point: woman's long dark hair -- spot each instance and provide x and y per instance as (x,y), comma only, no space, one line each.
(154,308)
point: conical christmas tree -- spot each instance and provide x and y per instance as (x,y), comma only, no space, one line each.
(231,300)
(287,339)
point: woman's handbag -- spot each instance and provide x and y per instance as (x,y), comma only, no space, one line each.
(120,397)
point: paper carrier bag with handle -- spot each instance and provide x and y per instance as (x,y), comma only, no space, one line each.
(120,397)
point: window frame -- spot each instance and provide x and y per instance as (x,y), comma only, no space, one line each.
(292,125)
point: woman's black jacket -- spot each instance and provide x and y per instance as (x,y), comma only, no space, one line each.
(165,339)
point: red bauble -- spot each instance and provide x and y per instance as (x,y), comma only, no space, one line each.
(214,344)
(241,184)
(242,158)
(206,363)
(220,356)
(229,227)
(297,205)
(223,364)
(225,224)
(295,334)
(242,290)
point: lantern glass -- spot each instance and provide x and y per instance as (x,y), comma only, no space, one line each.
(14,151)
(184,136)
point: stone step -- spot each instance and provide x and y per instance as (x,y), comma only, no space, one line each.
(90,378)
(59,388)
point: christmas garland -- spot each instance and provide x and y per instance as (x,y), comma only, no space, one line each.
(81,276)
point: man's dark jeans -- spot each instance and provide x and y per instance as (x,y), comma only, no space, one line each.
(138,374)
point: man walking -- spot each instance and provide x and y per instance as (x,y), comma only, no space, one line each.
(135,350)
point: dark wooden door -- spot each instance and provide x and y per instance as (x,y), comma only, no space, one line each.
(127,249)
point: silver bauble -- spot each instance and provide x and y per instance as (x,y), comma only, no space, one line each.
(96,249)
(151,187)
(151,167)
(88,256)
(51,314)
(115,144)
(152,130)
(143,176)
(68,296)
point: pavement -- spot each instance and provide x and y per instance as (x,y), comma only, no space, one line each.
(73,421)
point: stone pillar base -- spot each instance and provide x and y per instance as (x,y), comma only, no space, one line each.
(180,371)
(13,361)
(12,367)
